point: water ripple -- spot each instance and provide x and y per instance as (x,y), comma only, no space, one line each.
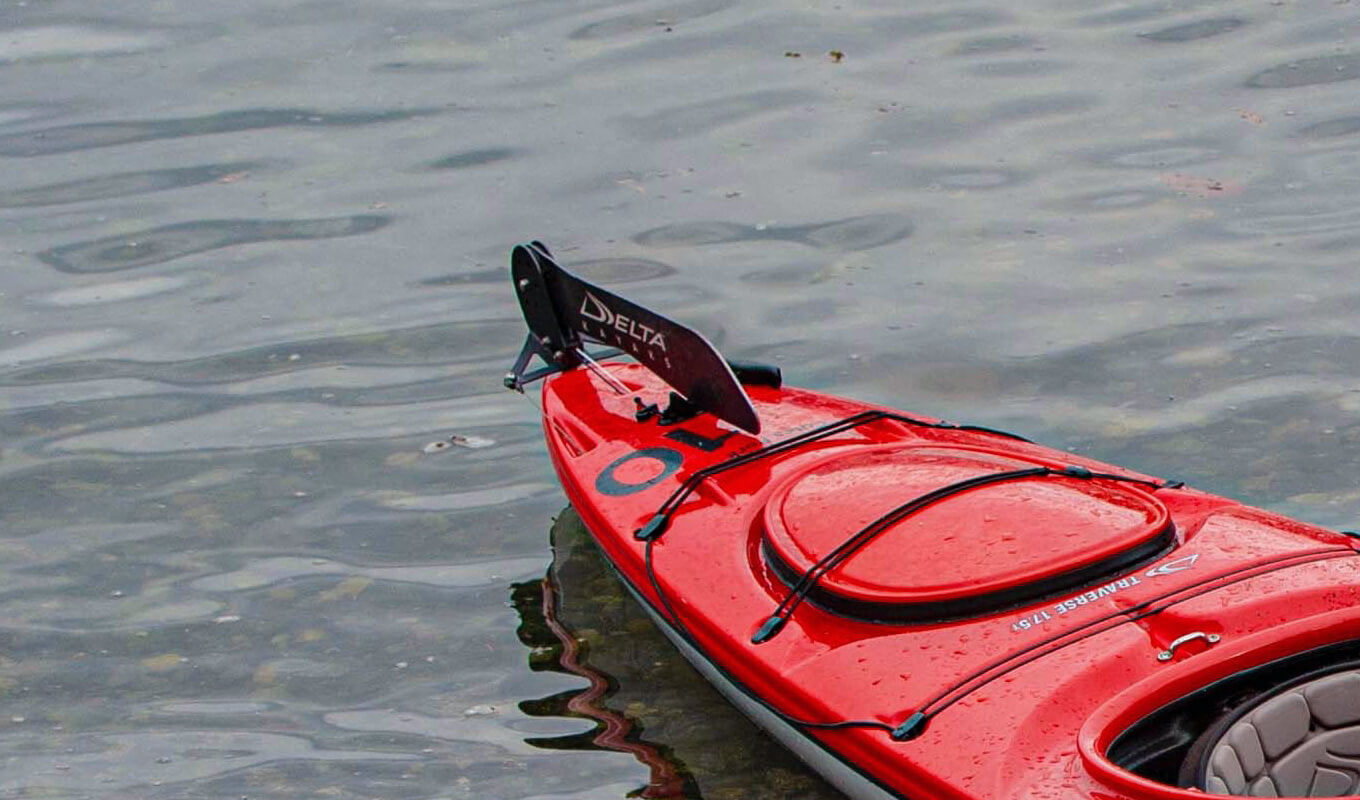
(1018,68)
(954,21)
(104,762)
(265,424)
(122,184)
(90,135)
(1112,200)
(855,233)
(621,270)
(659,15)
(112,291)
(475,158)
(474,498)
(1308,72)
(59,345)
(992,45)
(422,345)
(1161,155)
(73,41)
(1126,13)
(1194,31)
(463,575)
(1332,128)
(702,117)
(159,245)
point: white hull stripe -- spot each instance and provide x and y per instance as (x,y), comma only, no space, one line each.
(836,771)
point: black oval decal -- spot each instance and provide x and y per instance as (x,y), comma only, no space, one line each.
(606,483)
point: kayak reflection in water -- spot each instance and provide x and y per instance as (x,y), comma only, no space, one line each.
(555,647)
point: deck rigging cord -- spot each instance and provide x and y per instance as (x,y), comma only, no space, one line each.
(839,554)
(682,630)
(915,722)
(656,527)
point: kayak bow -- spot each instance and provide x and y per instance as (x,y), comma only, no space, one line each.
(922,609)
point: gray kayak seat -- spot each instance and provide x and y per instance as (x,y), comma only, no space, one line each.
(1302,743)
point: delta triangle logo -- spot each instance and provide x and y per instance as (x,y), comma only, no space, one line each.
(1179,565)
(594,309)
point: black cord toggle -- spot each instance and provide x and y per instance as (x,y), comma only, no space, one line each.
(653,529)
(1073,471)
(678,410)
(914,726)
(767,631)
(643,411)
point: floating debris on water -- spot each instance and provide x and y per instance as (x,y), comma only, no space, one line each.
(470,442)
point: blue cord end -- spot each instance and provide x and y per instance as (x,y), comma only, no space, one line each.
(767,631)
(914,726)
(1076,472)
(653,529)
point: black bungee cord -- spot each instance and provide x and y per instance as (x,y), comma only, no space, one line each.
(681,630)
(915,723)
(657,525)
(839,554)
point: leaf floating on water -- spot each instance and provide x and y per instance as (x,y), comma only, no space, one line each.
(162,663)
(836,56)
(348,589)
(1201,187)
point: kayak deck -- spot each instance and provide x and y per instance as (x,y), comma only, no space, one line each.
(939,610)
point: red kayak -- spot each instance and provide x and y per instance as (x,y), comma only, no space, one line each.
(923,609)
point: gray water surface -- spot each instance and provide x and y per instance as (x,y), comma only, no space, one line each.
(252,267)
